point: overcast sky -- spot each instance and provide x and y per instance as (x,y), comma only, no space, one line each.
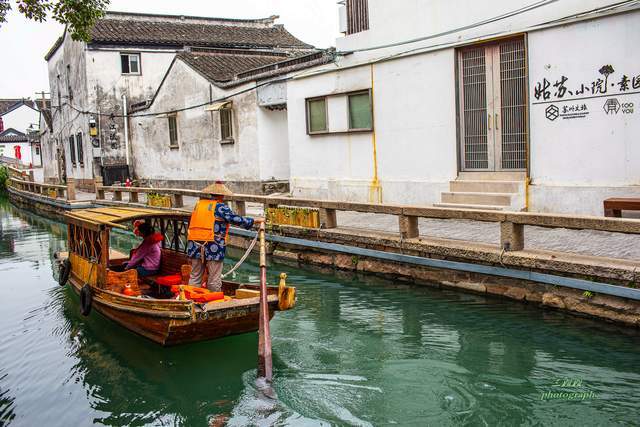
(24,43)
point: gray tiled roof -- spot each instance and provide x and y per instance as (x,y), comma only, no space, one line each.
(6,104)
(219,67)
(171,33)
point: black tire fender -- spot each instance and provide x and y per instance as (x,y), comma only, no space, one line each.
(64,271)
(86,298)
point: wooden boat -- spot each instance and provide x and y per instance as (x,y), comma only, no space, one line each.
(168,321)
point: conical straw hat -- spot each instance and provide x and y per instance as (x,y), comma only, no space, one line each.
(217,188)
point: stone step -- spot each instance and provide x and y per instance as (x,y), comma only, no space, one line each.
(491,176)
(470,198)
(469,206)
(485,186)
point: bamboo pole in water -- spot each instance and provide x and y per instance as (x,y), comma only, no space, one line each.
(265,368)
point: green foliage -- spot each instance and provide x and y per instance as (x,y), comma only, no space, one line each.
(78,15)
(4,176)
(587,294)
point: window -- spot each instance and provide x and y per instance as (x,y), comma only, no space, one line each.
(130,63)
(80,149)
(357,16)
(317,115)
(59,92)
(72,150)
(226,126)
(69,91)
(37,150)
(173,131)
(360,111)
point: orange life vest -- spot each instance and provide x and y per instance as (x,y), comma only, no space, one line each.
(202,222)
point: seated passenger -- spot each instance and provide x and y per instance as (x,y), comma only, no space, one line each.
(146,257)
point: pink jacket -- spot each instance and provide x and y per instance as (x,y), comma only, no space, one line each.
(147,254)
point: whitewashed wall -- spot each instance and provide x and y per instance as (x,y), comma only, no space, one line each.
(414,121)
(273,141)
(200,155)
(398,21)
(587,153)
(8,150)
(21,118)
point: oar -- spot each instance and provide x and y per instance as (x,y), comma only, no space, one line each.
(265,366)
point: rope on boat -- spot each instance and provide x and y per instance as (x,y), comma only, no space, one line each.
(244,257)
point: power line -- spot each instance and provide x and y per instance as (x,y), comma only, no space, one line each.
(456,30)
(191,107)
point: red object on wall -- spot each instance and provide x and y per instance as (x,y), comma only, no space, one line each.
(18,154)
(1,125)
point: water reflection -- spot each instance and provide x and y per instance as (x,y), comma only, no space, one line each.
(355,351)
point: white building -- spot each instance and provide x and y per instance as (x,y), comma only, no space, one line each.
(235,132)
(21,114)
(17,147)
(19,120)
(503,104)
(94,85)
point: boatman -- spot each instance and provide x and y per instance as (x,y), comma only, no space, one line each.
(208,230)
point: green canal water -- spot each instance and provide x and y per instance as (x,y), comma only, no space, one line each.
(355,351)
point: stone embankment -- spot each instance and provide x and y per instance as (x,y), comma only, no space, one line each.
(408,245)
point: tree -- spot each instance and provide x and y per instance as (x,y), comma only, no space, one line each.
(78,15)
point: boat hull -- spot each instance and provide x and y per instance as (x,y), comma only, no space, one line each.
(181,324)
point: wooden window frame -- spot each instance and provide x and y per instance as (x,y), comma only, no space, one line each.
(128,54)
(349,95)
(174,140)
(226,139)
(357,16)
(308,115)
(339,132)
(79,149)
(72,150)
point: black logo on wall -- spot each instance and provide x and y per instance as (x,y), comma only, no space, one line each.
(612,106)
(552,112)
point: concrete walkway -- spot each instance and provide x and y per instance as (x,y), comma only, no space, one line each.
(585,242)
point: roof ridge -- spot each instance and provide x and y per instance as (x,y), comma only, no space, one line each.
(267,20)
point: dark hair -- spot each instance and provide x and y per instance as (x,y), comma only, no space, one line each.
(146,229)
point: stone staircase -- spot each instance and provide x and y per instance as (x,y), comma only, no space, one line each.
(500,191)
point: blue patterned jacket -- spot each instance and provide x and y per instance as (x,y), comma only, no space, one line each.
(215,251)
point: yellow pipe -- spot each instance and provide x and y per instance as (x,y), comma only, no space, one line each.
(375,191)
(527,182)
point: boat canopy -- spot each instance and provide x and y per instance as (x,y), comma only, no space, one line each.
(112,217)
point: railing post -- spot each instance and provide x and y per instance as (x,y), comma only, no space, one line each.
(97,183)
(511,236)
(408,226)
(328,218)
(176,201)
(71,188)
(268,206)
(240,207)
(133,197)
(117,195)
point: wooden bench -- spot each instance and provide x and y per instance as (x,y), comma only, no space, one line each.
(614,206)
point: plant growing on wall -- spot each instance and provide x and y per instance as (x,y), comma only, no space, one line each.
(4,176)
(78,15)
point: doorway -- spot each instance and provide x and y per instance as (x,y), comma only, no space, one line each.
(493,106)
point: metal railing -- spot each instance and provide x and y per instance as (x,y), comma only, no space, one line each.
(512,224)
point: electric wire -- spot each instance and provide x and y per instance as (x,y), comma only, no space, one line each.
(305,73)
(516,12)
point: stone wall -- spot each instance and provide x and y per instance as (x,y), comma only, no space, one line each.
(610,308)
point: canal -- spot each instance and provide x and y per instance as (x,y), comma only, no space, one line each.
(354,351)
